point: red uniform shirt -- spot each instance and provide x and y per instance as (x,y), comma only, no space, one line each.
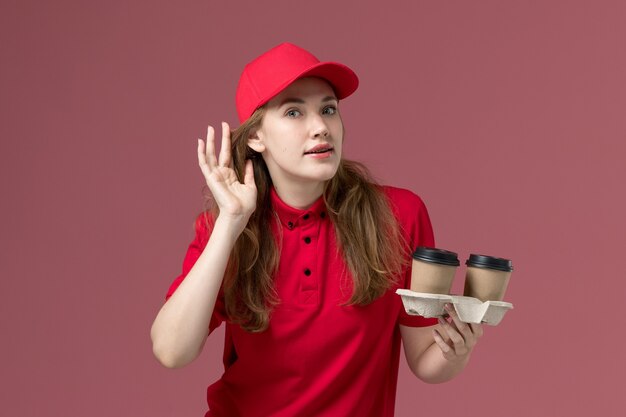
(316,357)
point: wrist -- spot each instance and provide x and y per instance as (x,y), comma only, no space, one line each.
(231,225)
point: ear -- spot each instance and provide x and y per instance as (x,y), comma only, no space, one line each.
(255,141)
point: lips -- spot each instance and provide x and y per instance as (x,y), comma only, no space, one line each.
(319,149)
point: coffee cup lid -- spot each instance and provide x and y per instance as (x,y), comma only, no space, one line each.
(436,256)
(490,262)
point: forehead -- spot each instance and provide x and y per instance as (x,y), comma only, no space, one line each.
(308,88)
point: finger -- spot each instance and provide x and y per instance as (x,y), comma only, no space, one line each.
(225,158)
(462,327)
(477,329)
(443,333)
(455,336)
(248,178)
(210,148)
(202,158)
(440,342)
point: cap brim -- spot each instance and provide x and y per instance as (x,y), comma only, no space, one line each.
(343,80)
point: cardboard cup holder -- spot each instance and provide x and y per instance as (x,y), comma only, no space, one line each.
(469,309)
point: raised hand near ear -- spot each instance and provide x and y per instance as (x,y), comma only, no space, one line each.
(236,200)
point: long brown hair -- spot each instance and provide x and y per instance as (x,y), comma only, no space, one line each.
(368,236)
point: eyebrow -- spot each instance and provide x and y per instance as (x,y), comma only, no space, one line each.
(300,101)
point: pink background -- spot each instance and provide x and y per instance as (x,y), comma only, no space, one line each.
(507,117)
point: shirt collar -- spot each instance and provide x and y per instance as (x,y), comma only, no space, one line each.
(292,217)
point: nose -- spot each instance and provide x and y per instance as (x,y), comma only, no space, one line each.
(318,126)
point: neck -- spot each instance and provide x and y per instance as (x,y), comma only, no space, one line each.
(300,196)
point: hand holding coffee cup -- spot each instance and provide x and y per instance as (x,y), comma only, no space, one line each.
(487,277)
(433,270)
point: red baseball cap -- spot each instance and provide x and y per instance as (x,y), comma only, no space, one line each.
(270,73)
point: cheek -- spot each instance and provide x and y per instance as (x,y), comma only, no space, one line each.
(338,130)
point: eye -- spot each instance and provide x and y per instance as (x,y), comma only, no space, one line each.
(329,110)
(292,113)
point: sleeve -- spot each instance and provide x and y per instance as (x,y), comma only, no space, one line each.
(203,227)
(420,234)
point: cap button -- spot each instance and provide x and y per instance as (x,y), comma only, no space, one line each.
(290,225)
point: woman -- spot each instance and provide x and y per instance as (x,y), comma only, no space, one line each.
(300,255)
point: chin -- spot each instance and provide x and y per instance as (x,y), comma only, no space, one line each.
(329,174)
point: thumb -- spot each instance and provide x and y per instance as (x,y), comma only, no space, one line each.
(248,178)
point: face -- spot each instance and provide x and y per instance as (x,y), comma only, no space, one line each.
(303,116)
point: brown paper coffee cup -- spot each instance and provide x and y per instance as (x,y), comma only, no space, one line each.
(433,270)
(487,277)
